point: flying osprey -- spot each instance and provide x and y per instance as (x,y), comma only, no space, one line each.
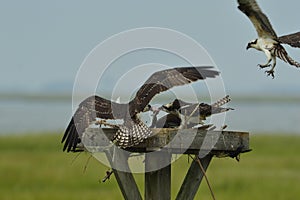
(267,40)
(133,130)
(190,114)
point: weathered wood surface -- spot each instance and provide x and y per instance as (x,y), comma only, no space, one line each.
(125,179)
(158,182)
(202,143)
(193,179)
(183,141)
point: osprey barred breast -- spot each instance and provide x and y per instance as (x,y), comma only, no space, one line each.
(133,130)
(267,40)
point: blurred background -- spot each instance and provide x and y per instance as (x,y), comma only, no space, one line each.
(43,44)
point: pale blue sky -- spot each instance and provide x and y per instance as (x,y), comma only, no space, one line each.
(43,43)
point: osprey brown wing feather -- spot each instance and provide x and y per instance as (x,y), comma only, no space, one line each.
(291,39)
(87,112)
(258,18)
(166,79)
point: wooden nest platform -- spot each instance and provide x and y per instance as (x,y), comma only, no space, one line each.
(203,144)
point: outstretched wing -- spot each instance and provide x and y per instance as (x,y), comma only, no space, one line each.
(291,39)
(164,80)
(91,108)
(258,18)
(216,107)
(204,109)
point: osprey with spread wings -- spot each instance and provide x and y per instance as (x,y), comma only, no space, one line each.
(133,130)
(267,40)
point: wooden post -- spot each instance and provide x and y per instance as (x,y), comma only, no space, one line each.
(193,179)
(125,179)
(158,182)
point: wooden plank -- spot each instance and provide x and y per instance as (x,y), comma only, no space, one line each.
(158,182)
(124,178)
(188,141)
(193,179)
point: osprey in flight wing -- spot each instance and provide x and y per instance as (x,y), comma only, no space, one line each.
(133,130)
(267,40)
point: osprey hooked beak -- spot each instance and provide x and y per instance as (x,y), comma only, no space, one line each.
(251,44)
(166,107)
(248,46)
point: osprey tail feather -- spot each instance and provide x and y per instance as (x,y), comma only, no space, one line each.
(221,102)
(281,53)
(216,107)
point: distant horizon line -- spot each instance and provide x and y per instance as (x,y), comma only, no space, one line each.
(60,96)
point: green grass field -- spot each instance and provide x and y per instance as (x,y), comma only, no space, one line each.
(34,167)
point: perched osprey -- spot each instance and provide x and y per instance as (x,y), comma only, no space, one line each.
(267,40)
(133,130)
(191,114)
(167,121)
